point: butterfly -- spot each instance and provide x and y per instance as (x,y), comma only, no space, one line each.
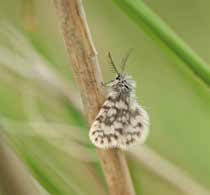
(121,121)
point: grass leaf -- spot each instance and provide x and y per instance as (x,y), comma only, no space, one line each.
(139,12)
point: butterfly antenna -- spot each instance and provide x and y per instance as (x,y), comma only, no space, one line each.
(124,60)
(113,64)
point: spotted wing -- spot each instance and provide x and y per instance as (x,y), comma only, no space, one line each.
(138,125)
(119,124)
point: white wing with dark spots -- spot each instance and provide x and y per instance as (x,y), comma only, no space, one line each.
(121,122)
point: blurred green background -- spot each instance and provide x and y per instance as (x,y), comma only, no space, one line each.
(48,134)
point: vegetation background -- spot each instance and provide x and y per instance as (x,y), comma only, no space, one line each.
(43,127)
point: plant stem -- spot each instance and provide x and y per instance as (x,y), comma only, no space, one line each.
(141,13)
(88,77)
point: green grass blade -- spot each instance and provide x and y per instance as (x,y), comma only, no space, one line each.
(142,14)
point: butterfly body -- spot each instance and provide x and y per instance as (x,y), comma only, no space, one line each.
(121,121)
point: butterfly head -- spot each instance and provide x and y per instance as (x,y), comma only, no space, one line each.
(122,82)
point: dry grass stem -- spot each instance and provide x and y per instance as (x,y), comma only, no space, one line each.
(88,77)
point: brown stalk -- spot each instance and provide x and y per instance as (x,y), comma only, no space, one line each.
(88,77)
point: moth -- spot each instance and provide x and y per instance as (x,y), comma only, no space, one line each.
(121,121)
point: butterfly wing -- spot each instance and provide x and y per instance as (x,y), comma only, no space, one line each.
(138,125)
(103,133)
(119,123)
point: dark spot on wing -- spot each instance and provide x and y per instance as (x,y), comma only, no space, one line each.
(139,124)
(99,118)
(105,107)
(130,141)
(111,99)
(120,130)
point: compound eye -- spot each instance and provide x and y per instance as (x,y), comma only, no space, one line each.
(118,77)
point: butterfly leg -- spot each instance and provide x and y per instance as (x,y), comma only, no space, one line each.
(105,84)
